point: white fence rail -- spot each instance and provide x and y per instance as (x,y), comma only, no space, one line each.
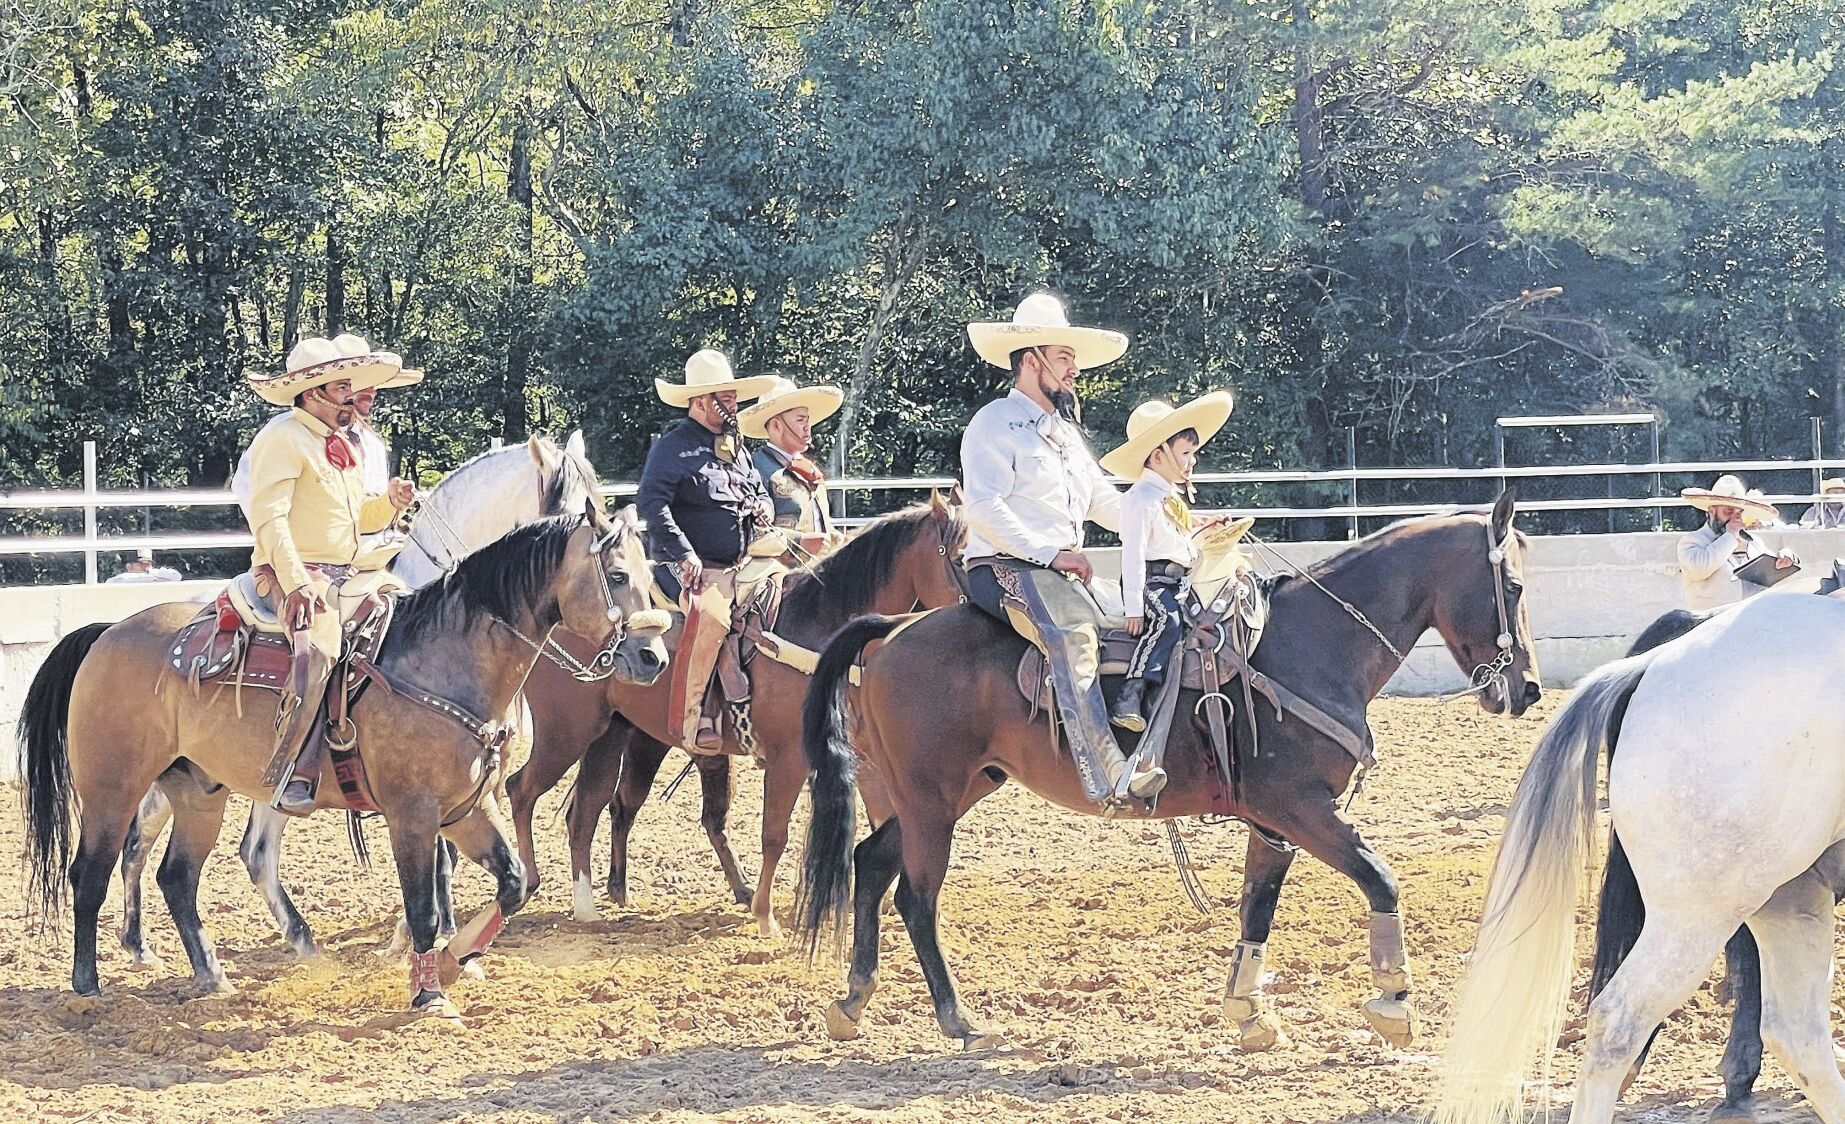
(92,499)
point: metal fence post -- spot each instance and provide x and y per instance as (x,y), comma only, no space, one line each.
(89,513)
(1351,462)
(1499,450)
(1819,474)
(1659,512)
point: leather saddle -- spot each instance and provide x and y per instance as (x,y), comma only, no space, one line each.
(1241,601)
(223,639)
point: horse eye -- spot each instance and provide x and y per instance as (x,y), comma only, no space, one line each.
(1513,588)
(618,578)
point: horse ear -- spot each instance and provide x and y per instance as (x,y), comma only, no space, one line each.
(1503,510)
(936,504)
(535,445)
(956,497)
(574,444)
(630,517)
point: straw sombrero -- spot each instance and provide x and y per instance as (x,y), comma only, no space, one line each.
(1832,483)
(317,361)
(1153,423)
(405,376)
(1040,321)
(822,402)
(1728,491)
(708,372)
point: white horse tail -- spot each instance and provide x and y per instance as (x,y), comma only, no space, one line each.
(1510,1008)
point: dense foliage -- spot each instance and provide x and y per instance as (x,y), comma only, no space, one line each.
(1393,215)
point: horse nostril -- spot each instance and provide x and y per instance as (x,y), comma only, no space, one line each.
(1533,692)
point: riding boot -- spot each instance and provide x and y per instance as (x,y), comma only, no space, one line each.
(707,621)
(1128,711)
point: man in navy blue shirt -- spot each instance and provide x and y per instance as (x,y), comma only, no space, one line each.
(704,503)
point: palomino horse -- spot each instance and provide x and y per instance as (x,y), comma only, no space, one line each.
(106,715)
(472,506)
(1739,828)
(940,721)
(892,565)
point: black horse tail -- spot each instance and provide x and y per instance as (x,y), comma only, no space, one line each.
(1670,626)
(826,876)
(44,794)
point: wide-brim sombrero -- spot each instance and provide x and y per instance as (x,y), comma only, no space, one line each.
(1154,423)
(1040,321)
(822,402)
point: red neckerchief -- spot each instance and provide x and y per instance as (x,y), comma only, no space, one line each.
(340,453)
(806,471)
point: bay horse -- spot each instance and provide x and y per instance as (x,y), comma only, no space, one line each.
(619,730)
(472,506)
(106,715)
(1741,828)
(941,723)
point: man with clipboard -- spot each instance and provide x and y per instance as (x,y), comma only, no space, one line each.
(1720,562)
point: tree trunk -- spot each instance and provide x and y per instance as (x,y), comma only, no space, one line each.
(291,309)
(903,256)
(519,347)
(336,283)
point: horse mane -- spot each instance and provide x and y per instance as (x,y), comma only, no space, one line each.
(574,475)
(501,579)
(845,583)
(1385,536)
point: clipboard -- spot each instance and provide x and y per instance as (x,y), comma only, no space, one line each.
(1761,570)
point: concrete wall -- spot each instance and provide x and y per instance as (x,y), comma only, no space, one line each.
(1589,596)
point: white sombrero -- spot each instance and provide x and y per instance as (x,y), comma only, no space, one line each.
(405,376)
(1728,491)
(317,361)
(822,402)
(1040,321)
(1153,423)
(708,372)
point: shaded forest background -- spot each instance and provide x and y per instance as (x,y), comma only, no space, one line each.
(1400,216)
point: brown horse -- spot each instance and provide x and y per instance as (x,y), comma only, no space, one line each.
(892,565)
(106,715)
(940,721)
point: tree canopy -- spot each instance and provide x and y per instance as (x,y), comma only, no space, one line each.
(1398,216)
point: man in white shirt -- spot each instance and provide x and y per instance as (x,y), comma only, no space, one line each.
(143,570)
(1030,484)
(1709,557)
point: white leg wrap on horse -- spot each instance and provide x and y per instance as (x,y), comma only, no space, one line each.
(1242,995)
(1389,960)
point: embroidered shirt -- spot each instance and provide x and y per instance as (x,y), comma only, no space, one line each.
(798,506)
(1148,534)
(695,502)
(1030,483)
(301,508)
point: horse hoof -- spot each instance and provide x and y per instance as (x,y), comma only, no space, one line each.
(438,1007)
(218,986)
(742,895)
(1393,1019)
(974,1041)
(840,1027)
(1731,1114)
(473,970)
(769,928)
(1261,1032)
(398,944)
(143,959)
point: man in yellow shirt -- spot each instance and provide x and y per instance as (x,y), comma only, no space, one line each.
(308,509)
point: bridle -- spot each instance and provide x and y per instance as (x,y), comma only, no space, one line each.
(601,665)
(1484,675)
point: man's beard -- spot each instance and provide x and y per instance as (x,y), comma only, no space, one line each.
(345,416)
(1067,405)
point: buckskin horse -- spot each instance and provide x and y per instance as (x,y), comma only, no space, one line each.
(106,715)
(1744,828)
(902,560)
(475,504)
(941,721)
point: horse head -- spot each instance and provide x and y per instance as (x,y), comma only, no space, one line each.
(1480,609)
(605,595)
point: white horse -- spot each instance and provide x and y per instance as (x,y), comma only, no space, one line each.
(471,507)
(1729,795)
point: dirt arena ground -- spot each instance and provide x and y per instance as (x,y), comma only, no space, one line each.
(1070,934)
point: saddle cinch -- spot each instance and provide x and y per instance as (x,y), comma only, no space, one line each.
(1224,627)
